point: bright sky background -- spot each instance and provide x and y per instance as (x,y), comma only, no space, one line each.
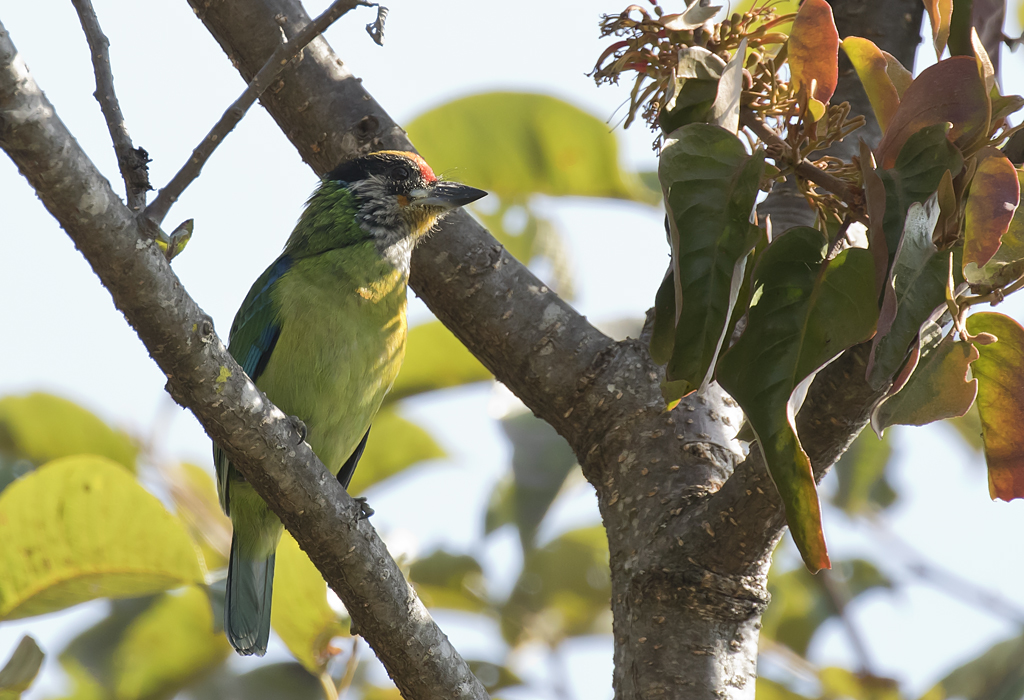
(62,333)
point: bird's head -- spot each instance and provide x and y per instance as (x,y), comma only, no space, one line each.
(398,197)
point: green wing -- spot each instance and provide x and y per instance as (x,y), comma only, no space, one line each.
(254,334)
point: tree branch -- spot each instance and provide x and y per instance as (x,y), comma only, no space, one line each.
(202,376)
(273,66)
(130,161)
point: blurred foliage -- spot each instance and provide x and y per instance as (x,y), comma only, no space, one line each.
(21,669)
(42,427)
(802,602)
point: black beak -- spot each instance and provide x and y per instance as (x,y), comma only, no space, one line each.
(447,195)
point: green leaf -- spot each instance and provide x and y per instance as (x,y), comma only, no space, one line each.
(993,199)
(842,683)
(915,288)
(768,689)
(1000,375)
(937,389)
(711,185)
(663,334)
(167,647)
(267,682)
(453,581)
(300,612)
(87,659)
(541,461)
(21,669)
(563,590)
(804,312)
(41,427)
(80,528)
(863,486)
(394,445)
(520,144)
(871,67)
(927,102)
(695,89)
(435,359)
(968,427)
(501,508)
(997,674)
(492,676)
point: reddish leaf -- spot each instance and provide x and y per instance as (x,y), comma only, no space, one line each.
(994,196)
(871,68)
(950,91)
(939,14)
(1000,375)
(1008,262)
(937,389)
(814,50)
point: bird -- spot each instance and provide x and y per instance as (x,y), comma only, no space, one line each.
(322,333)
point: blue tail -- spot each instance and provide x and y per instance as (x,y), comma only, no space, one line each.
(247,602)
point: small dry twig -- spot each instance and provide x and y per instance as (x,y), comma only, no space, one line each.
(130,160)
(158,209)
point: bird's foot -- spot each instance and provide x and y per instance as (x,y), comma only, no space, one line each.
(353,628)
(300,428)
(367,511)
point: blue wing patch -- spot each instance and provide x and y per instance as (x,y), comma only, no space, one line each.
(254,334)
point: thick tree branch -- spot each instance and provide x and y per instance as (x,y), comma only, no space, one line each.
(130,161)
(203,377)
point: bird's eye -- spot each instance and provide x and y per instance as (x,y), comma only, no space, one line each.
(400,173)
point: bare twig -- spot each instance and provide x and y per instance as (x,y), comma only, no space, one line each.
(158,209)
(840,596)
(853,197)
(947,581)
(130,160)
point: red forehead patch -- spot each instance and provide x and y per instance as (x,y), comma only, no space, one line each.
(428,174)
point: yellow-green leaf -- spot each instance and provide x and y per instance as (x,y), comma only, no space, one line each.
(40,427)
(80,528)
(435,359)
(453,581)
(514,143)
(196,502)
(394,444)
(872,69)
(300,613)
(169,645)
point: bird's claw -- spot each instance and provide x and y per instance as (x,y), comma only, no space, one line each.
(364,507)
(300,428)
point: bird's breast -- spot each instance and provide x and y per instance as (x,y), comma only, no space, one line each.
(342,342)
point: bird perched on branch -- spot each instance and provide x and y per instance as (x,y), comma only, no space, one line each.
(322,333)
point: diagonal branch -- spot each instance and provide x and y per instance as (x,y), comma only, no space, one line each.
(202,376)
(131,161)
(273,66)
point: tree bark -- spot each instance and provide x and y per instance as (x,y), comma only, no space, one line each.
(691,524)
